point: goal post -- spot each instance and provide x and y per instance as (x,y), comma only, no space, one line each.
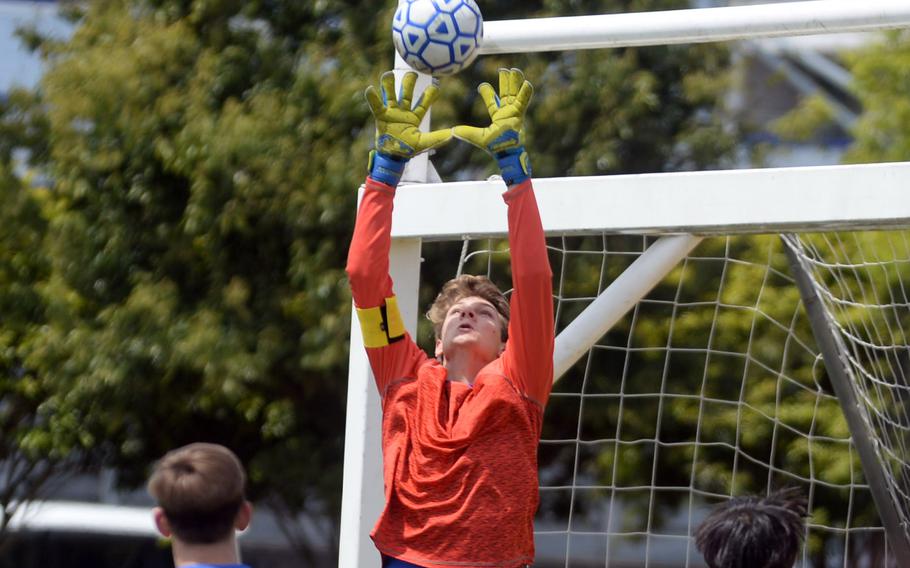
(363,496)
(835,354)
(743,202)
(670,213)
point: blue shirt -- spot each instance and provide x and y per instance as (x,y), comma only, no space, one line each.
(389,562)
(217,566)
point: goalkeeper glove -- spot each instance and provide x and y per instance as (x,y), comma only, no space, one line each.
(504,138)
(398,135)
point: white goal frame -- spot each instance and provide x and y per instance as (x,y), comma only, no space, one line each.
(674,204)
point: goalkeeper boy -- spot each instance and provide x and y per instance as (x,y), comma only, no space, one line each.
(459,432)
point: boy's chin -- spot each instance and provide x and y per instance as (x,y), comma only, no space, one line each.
(464,343)
(467,339)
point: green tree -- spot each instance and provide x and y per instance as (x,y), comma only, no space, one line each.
(22,473)
(881,76)
(204,155)
(25,471)
(202,201)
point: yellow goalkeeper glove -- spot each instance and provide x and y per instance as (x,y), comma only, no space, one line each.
(504,138)
(398,135)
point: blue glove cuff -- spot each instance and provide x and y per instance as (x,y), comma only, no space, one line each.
(386,169)
(514,165)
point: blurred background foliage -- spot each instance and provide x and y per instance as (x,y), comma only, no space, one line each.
(178,196)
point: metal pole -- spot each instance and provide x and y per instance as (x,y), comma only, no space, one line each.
(833,349)
(693,25)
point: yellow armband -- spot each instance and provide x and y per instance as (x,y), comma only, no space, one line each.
(381,325)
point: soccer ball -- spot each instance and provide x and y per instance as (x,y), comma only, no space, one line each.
(439,37)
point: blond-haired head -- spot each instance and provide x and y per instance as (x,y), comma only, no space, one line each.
(466,286)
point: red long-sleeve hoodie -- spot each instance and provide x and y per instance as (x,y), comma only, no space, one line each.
(460,461)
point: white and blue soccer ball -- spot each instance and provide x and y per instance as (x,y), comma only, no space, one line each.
(438,37)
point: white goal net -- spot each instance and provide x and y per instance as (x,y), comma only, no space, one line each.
(712,386)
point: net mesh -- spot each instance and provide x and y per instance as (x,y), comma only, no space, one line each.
(862,280)
(712,387)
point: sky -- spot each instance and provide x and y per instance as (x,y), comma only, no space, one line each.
(18,67)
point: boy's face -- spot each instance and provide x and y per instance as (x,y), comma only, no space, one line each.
(471,323)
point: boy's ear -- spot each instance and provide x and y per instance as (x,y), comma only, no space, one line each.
(161,522)
(244,516)
(438,348)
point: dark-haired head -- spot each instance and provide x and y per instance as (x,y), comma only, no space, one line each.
(754,532)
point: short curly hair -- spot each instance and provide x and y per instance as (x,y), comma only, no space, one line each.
(754,532)
(465,286)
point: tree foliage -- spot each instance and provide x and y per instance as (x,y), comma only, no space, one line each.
(24,471)
(881,76)
(202,203)
(188,281)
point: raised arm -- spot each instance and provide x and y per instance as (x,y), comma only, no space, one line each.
(398,138)
(528,358)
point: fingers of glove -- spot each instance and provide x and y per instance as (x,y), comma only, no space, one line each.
(470,134)
(524,96)
(425,101)
(489,97)
(388,89)
(505,83)
(375,101)
(406,90)
(427,140)
(516,80)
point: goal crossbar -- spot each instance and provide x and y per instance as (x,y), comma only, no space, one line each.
(704,203)
(693,25)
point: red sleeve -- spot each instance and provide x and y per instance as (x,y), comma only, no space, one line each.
(371,285)
(528,357)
